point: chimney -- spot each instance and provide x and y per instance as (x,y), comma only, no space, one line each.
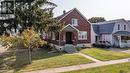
(64,12)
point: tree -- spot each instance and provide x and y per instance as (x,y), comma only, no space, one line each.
(37,14)
(31,40)
(96,19)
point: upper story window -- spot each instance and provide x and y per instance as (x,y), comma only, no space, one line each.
(74,22)
(124,27)
(118,26)
(82,35)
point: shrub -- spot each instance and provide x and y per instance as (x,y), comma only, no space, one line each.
(48,47)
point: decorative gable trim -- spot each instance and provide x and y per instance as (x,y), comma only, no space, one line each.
(82,15)
(66,15)
(70,26)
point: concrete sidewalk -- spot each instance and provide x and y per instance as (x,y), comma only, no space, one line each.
(84,66)
(127,51)
(89,57)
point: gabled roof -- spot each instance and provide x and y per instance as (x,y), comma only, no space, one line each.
(103,28)
(129,21)
(106,26)
(63,15)
(67,13)
(96,28)
(110,21)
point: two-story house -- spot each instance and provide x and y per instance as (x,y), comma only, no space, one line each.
(117,32)
(76,31)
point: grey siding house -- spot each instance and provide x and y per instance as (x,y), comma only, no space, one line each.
(116,32)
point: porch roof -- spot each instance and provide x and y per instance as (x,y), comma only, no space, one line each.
(71,28)
(124,33)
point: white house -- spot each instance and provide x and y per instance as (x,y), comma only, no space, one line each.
(117,32)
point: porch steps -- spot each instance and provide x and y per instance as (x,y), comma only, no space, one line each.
(70,49)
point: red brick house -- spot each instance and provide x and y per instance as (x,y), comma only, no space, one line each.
(76,31)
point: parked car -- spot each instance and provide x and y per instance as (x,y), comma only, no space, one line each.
(102,44)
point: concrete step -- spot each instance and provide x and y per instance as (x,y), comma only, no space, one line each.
(70,49)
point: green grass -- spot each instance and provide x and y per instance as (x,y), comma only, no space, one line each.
(118,68)
(105,55)
(43,60)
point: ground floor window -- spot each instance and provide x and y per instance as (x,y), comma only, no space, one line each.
(96,38)
(125,38)
(82,35)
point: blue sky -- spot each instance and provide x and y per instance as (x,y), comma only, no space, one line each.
(110,9)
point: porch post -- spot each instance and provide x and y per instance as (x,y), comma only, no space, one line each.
(120,41)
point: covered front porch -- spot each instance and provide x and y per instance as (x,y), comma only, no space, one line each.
(69,35)
(121,39)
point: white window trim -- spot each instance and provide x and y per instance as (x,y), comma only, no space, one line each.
(74,21)
(82,35)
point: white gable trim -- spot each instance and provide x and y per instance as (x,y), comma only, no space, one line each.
(82,16)
(70,26)
(66,15)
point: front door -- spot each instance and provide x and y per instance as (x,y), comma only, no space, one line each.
(69,38)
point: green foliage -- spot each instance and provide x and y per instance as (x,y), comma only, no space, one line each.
(7,40)
(31,39)
(96,19)
(37,14)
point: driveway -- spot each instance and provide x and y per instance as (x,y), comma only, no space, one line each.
(120,50)
(127,51)
(117,49)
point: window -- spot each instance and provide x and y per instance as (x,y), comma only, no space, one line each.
(118,27)
(7,7)
(96,38)
(124,27)
(74,22)
(82,35)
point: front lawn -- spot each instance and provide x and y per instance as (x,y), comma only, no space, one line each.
(43,60)
(105,55)
(118,68)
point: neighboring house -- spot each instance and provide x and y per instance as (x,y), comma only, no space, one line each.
(76,31)
(117,32)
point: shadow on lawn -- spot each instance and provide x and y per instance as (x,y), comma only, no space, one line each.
(7,61)
(22,58)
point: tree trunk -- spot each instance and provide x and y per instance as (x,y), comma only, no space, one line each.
(29,52)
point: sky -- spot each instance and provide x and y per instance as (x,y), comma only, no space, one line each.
(110,9)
